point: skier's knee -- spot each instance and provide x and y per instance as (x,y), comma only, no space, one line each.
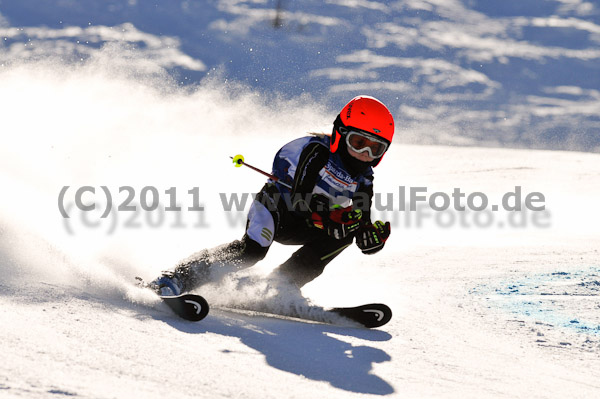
(252,251)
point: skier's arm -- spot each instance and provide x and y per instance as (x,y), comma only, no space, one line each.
(363,199)
(370,237)
(312,159)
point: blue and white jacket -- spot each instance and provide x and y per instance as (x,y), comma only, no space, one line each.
(311,168)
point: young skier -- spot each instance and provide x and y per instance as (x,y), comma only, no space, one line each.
(327,207)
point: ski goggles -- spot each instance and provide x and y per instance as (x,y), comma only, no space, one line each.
(362,141)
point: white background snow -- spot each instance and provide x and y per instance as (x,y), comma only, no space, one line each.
(486,96)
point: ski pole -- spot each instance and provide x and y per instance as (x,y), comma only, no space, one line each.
(238,160)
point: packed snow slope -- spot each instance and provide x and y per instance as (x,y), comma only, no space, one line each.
(486,304)
(501,73)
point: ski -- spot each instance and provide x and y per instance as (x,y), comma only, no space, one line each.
(194,307)
(190,307)
(369,316)
(372,315)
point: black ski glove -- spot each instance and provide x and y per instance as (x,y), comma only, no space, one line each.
(370,238)
(337,222)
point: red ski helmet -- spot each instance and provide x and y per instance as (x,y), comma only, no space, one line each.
(366,114)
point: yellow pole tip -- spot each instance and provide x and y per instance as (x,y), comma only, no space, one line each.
(238,160)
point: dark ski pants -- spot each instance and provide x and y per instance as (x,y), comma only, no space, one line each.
(269,221)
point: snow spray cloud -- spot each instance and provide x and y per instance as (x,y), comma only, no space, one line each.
(102,123)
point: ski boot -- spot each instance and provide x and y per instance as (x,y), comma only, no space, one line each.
(167,285)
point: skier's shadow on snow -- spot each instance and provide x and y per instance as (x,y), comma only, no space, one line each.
(305,349)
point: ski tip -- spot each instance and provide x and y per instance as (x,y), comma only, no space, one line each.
(372,315)
(188,306)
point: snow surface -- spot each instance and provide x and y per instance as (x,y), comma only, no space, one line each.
(491,304)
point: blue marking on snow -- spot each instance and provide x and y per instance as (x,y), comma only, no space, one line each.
(569,300)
